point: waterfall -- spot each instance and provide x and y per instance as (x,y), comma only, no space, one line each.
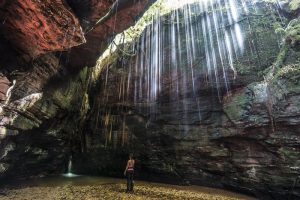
(202,37)
(199,46)
(70,166)
(69,173)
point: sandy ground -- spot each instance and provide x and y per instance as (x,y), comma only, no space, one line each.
(113,191)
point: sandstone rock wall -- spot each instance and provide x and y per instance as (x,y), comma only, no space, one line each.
(248,140)
(43,89)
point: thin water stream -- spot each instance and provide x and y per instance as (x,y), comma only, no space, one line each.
(198,47)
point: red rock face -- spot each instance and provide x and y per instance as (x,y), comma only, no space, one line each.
(99,8)
(88,53)
(32,32)
(36,27)
(90,10)
(126,18)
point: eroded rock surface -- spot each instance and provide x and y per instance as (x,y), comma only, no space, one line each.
(39,77)
(246,139)
(38,27)
(87,54)
(4,86)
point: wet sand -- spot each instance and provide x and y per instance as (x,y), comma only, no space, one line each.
(92,188)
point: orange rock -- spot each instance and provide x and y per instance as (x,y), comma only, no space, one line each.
(36,27)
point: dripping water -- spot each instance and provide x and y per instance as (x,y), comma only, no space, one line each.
(196,47)
(69,173)
(198,28)
(70,166)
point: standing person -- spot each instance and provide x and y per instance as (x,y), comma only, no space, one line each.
(129,171)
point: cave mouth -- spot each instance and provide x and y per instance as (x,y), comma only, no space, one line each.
(203,93)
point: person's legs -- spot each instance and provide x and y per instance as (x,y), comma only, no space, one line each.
(128,181)
(131,181)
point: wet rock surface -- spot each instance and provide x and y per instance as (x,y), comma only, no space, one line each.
(40,27)
(87,54)
(246,140)
(38,77)
(4,86)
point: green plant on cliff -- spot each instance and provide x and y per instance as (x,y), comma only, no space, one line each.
(123,40)
(285,81)
(292,36)
(294,5)
(279,29)
(288,72)
(291,40)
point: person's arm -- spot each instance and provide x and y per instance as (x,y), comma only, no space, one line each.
(126,168)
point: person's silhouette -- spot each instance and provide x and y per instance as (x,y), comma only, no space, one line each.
(129,171)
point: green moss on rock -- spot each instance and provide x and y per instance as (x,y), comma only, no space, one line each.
(70,96)
(294,5)
(289,153)
(293,32)
(234,105)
